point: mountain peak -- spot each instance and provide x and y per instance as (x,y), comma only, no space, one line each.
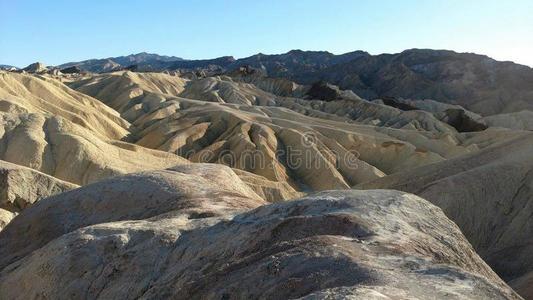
(36,67)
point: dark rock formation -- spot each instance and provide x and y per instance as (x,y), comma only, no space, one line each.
(391,101)
(461,121)
(71,70)
(132,68)
(324,91)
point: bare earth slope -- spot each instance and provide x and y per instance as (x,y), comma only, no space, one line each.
(175,226)
(184,242)
(489,195)
(351,140)
(49,127)
(20,187)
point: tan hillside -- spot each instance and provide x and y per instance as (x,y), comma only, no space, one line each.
(221,115)
(22,93)
(138,143)
(20,187)
(49,127)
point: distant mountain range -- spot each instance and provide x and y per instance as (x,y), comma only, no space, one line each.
(7,67)
(477,82)
(148,60)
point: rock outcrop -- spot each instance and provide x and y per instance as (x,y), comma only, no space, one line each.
(37,67)
(71,70)
(458,119)
(188,241)
(489,195)
(324,91)
(20,187)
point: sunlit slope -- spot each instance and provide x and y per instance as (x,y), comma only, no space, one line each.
(349,141)
(49,127)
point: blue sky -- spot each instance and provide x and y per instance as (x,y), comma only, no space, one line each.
(59,31)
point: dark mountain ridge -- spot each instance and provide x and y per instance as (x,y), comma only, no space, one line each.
(147,60)
(478,82)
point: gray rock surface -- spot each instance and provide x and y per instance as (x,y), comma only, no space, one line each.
(489,195)
(333,244)
(130,197)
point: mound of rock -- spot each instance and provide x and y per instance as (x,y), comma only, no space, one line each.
(36,68)
(489,195)
(191,239)
(324,91)
(199,190)
(461,121)
(71,70)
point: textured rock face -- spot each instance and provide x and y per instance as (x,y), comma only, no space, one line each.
(132,197)
(36,68)
(20,187)
(489,195)
(341,244)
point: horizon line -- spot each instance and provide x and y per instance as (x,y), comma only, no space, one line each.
(261,53)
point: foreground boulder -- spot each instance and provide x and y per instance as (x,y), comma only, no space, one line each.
(489,195)
(367,244)
(131,197)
